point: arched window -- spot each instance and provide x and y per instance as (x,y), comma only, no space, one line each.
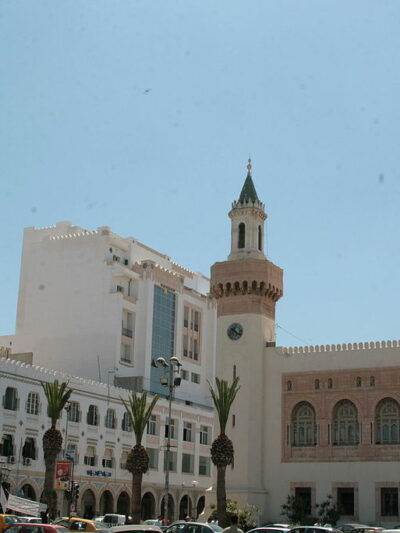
(387,422)
(126,422)
(10,399)
(29,449)
(259,238)
(109,421)
(289,385)
(32,403)
(372,381)
(358,382)
(345,424)
(241,240)
(330,383)
(92,416)
(316,384)
(304,429)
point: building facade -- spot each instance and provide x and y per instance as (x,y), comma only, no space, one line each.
(114,305)
(97,437)
(309,421)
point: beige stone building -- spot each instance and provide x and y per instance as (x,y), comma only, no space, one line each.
(309,421)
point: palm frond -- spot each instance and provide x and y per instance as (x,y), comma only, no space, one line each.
(223,396)
(139,412)
(57,396)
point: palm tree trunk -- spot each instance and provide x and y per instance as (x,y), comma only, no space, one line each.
(50,495)
(136,497)
(221,496)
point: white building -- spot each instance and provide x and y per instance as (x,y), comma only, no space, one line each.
(98,436)
(309,421)
(104,306)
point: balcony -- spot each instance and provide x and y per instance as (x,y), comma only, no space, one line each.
(127,332)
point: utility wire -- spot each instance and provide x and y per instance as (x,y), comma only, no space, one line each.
(292,334)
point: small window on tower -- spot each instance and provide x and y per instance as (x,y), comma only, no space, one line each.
(259,238)
(241,241)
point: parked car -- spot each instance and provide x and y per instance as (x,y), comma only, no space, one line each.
(30,519)
(313,529)
(354,527)
(28,527)
(80,524)
(192,527)
(6,520)
(113,519)
(269,529)
(135,528)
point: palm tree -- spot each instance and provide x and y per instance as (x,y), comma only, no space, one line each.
(222,451)
(137,462)
(57,396)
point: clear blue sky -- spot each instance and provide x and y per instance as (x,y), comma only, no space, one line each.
(140,115)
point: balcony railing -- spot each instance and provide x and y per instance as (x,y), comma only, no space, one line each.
(127,332)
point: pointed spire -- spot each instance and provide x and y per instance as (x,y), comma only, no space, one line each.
(248,193)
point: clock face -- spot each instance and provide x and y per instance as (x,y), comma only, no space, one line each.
(235,331)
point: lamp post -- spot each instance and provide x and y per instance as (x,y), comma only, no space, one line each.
(171,379)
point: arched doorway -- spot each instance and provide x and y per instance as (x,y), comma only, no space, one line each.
(88,505)
(185,507)
(148,506)
(106,502)
(200,506)
(124,504)
(171,508)
(28,492)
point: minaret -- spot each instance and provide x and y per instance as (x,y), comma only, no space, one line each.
(247,216)
(246,288)
(247,282)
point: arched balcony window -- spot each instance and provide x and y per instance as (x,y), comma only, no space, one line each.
(303,426)
(242,238)
(387,422)
(345,424)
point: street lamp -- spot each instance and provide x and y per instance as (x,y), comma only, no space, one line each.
(171,379)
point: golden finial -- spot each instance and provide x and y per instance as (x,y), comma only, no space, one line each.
(249,165)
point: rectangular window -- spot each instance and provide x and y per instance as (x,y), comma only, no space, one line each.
(195,377)
(127,324)
(204,435)
(187,463)
(184,374)
(73,412)
(172,461)
(186,317)
(168,426)
(32,403)
(152,425)
(187,431)
(10,400)
(389,501)
(191,335)
(163,332)
(204,466)
(153,458)
(345,501)
(303,495)
(126,353)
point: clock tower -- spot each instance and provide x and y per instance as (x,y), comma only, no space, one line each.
(246,287)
